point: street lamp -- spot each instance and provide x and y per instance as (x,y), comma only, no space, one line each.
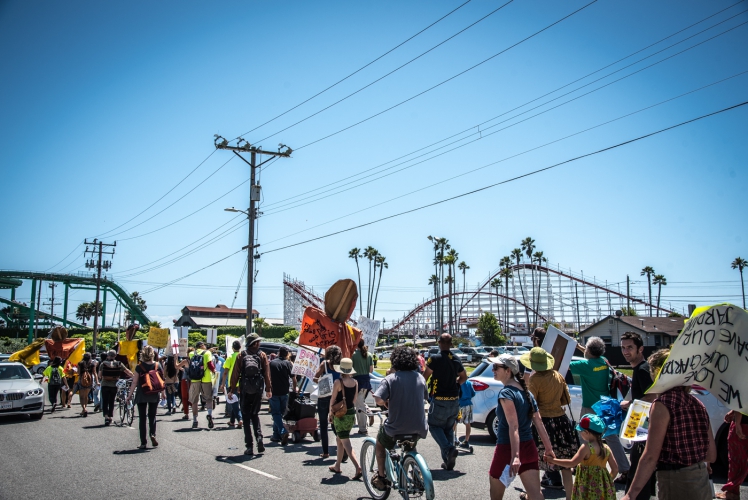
(250,267)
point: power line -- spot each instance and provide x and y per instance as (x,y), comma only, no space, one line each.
(510,179)
(387,74)
(66,257)
(194,272)
(359,69)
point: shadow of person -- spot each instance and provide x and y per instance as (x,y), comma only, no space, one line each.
(130,452)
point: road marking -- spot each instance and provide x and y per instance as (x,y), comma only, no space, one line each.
(250,469)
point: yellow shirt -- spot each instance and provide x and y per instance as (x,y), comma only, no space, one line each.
(550,391)
(207,358)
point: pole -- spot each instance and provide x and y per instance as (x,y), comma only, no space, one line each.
(65,307)
(628,294)
(98,265)
(32,312)
(579,322)
(38,306)
(250,244)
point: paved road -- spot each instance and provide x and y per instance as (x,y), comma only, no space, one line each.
(64,454)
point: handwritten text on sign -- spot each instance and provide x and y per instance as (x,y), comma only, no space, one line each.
(370,331)
(306,364)
(711,351)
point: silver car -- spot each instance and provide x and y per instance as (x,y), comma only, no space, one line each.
(20,393)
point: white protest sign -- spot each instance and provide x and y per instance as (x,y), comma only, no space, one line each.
(710,352)
(230,341)
(306,363)
(173,345)
(635,426)
(183,348)
(212,336)
(370,331)
(561,347)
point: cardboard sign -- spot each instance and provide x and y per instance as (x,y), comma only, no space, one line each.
(230,341)
(183,348)
(212,336)
(173,342)
(319,330)
(561,347)
(158,337)
(306,364)
(66,349)
(635,426)
(710,352)
(370,331)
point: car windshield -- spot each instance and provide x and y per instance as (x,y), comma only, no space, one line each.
(456,351)
(13,372)
(480,369)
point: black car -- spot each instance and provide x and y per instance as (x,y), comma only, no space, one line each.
(273,347)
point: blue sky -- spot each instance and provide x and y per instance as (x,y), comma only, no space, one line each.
(106,106)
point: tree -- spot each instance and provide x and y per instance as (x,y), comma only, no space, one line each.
(370,253)
(496,285)
(139,302)
(528,245)
(155,324)
(259,324)
(517,254)
(355,254)
(659,280)
(463,267)
(506,273)
(538,259)
(489,330)
(740,264)
(380,261)
(674,314)
(451,261)
(649,272)
(628,311)
(434,280)
(84,312)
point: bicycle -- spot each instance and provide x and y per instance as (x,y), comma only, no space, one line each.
(126,408)
(407,473)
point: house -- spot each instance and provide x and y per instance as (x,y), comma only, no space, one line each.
(212,317)
(656,333)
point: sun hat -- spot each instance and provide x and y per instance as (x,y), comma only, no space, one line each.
(345,366)
(507,360)
(538,359)
(252,338)
(591,422)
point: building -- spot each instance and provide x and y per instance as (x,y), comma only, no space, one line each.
(212,317)
(656,333)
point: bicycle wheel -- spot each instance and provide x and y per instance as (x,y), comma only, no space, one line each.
(130,413)
(122,412)
(369,465)
(415,481)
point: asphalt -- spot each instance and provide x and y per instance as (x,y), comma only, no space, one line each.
(64,455)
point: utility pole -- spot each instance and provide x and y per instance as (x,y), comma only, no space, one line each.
(38,305)
(52,302)
(628,294)
(98,264)
(243,146)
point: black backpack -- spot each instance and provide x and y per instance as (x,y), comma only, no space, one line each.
(196,368)
(252,379)
(619,382)
(54,377)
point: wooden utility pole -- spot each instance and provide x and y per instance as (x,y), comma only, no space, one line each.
(98,264)
(255,189)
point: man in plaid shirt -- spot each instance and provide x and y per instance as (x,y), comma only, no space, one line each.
(680,444)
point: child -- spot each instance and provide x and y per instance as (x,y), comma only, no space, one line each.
(465,416)
(593,481)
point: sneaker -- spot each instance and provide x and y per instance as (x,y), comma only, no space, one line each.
(452,459)
(380,483)
(239,425)
(194,424)
(186,417)
(153,441)
(249,451)
(210,422)
(97,408)
(260,446)
(284,439)
(53,409)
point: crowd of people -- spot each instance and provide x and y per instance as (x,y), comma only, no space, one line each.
(536,430)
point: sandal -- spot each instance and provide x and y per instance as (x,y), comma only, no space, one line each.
(324,455)
(523,496)
(333,470)
(358,475)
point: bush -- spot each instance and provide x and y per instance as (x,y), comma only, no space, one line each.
(290,336)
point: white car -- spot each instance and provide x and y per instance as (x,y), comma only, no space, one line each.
(20,393)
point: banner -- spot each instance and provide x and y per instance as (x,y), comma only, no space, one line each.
(710,352)
(319,330)
(158,337)
(212,336)
(173,342)
(129,349)
(370,331)
(68,349)
(635,426)
(561,347)
(306,364)
(29,355)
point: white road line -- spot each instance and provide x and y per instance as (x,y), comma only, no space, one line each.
(250,469)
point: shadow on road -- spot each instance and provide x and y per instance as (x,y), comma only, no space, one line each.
(130,452)
(189,429)
(445,475)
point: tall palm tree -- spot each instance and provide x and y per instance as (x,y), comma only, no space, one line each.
(369,253)
(450,259)
(354,254)
(506,273)
(517,254)
(740,264)
(443,246)
(380,261)
(463,267)
(659,280)
(537,257)
(496,285)
(649,272)
(434,280)
(528,245)
(437,298)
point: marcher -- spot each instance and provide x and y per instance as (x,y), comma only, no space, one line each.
(680,444)
(465,417)
(54,375)
(632,348)
(146,399)
(363,365)
(737,452)
(595,375)
(87,378)
(94,394)
(447,374)
(593,481)
(254,373)
(200,371)
(233,408)
(184,385)
(344,392)
(110,371)
(281,379)
(71,380)
(552,394)
(171,381)
(218,362)
(326,370)
(516,412)
(402,393)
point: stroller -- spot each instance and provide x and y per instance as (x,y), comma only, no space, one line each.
(300,419)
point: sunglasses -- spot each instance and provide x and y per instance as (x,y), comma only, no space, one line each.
(496,367)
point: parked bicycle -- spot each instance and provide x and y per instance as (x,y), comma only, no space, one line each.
(407,472)
(126,408)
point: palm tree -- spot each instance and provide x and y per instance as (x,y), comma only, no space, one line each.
(740,264)
(380,261)
(517,254)
(139,302)
(659,280)
(506,273)
(528,245)
(84,312)
(496,285)
(649,271)
(354,254)
(443,245)
(434,280)
(370,253)
(450,259)
(538,258)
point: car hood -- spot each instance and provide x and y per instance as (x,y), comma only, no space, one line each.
(17,385)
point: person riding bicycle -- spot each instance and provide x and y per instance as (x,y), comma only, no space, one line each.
(406,412)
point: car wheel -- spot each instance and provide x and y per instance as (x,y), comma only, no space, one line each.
(490,423)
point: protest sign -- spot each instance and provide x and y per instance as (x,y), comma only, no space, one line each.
(230,341)
(319,330)
(173,342)
(183,348)
(370,331)
(212,336)
(710,352)
(306,363)
(158,337)
(561,347)
(635,426)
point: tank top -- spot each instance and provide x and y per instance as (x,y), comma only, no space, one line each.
(349,393)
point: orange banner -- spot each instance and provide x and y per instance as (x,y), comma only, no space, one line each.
(319,330)
(61,348)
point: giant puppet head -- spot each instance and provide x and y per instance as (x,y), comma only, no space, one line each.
(325,328)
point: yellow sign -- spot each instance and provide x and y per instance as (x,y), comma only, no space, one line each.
(158,337)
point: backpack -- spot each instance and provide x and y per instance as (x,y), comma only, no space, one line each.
(196,368)
(110,370)
(151,381)
(619,382)
(86,380)
(252,380)
(54,377)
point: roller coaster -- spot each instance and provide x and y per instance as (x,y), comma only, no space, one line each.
(532,295)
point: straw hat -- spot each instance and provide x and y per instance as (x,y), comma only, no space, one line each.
(340,300)
(345,366)
(538,359)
